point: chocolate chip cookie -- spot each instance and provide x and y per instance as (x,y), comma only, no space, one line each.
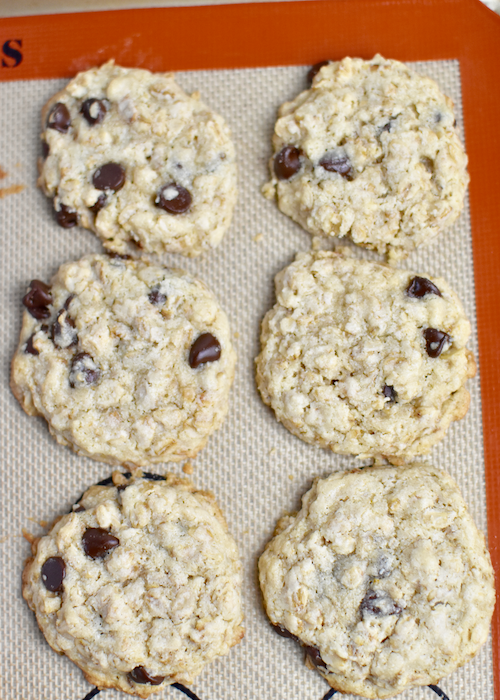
(370,151)
(364,359)
(140,586)
(128,362)
(131,156)
(383,578)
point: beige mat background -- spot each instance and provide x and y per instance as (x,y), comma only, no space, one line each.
(255,467)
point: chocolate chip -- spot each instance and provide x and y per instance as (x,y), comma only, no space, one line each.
(435,341)
(283,632)
(156,297)
(117,258)
(206,348)
(52,573)
(110,176)
(140,675)
(66,217)
(287,162)
(173,198)
(437,117)
(59,118)
(389,393)
(38,299)
(78,508)
(30,348)
(45,149)
(378,603)
(428,164)
(99,204)
(68,301)
(63,331)
(98,542)
(83,371)
(337,164)
(420,286)
(93,110)
(314,70)
(315,657)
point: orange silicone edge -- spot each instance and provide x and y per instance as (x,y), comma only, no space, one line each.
(265,34)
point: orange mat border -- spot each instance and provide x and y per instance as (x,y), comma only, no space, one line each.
(266,34)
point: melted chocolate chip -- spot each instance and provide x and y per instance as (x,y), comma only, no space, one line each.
(110,176)
(97,542)
(389,393)
(99,204)
(206,348)
(52,573)
(78,509)
(314,70)
(378,603)
(173,199)
(156,297)
(435,341)
(30,348)
(283,632)
(38,299)
(63,331)
(315,657)
(287,162)
(140,675)
(93,110)
(337,164)
(420,286)
(45,149)
(66,217)
(83,371)
(59,118)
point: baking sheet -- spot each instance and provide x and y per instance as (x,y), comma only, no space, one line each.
(254,466)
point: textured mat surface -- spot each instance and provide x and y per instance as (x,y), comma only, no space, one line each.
(257,470)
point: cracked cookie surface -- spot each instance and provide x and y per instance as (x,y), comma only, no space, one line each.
(140,586)
(362,358)
(371,152)
(134,158)
(128,362)
(383,577)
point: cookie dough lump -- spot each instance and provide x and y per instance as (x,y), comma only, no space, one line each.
(128,362)
(383,578)
(370,151)
(131,156)
(364,359)
(140,586)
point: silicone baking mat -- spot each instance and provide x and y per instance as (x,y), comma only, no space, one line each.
(245,63)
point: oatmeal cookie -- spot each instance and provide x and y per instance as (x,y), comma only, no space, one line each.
(140,586)
(383,577)
(364,359)
(370,151)
(134,158)
(128,362)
